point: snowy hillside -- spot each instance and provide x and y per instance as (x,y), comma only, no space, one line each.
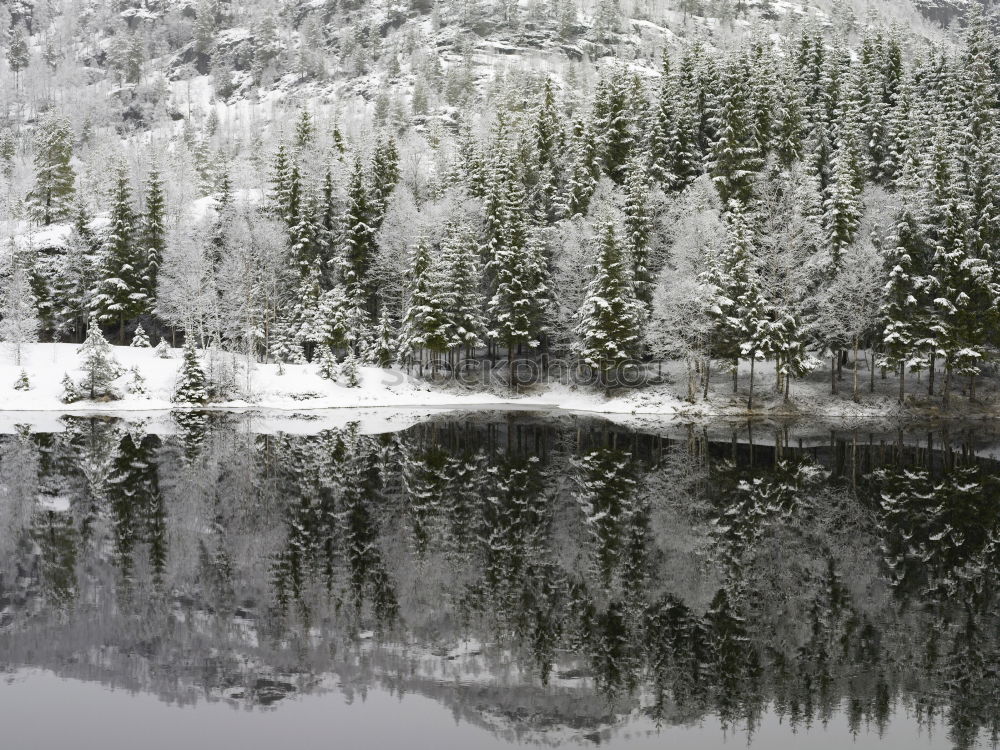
(707,189)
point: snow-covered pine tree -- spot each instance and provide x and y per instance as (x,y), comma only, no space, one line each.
(120,296)
(358,241)
(759,338)
(329,367)
(787,135)
(191,383)
(136,384)
(139,338)
(306,237)
(462,278)
(842,209)
(638,226)
(18,52)
(286,182)
(614,119)
(100,369)
(22,383)
(728,278)
(582,171)
(382,350)
(163,349)
(357,320)
(350,370)
(663,120)
(519,306)
(547,128)
(425,320)
(305,131)
(610,320)
(152,238)
(385,176)
(963,315)
(735,155)
(52,197)
(19,323)
(902,314)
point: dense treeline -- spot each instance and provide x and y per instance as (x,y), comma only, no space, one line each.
(781,202)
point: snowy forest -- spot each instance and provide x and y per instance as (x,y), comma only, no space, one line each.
(663,192)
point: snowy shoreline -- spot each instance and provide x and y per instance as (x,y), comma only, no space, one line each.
(296,389)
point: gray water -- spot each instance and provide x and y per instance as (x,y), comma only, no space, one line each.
(496,579)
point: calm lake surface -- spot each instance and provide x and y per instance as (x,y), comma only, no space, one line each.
(489,580)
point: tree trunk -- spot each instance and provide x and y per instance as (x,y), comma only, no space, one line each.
(736,374)
(510,366)
(833,373)
(840,364)
(872,385)
(691,377)
(788,386)
(777,375)
(856,396)
(972,387)
(753,360)
(946,396)
(121,329)
(708,364)
(902,382)
(930,376)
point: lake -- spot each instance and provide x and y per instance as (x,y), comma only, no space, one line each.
(495,579)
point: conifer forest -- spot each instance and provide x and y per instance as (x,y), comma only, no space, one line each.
(482,373)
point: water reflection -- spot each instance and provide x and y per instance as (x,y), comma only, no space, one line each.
(535,574)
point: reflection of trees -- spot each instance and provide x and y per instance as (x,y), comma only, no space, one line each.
(332,530)
(135,506)
(941,531)
(559,552)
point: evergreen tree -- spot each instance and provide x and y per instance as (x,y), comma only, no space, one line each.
(350,370)
(191,383)
(425,322)
(139,338)
(19,324)
(18,54)
(100,369)
(964,313)
(615,122)
(152,239)
(52,197)
(519,306)
(287,186)
(120,296)
(304,130)
(729,279)
(842,210)
(609,323)
(462,288)
(582,172)
(385,176)
(638,226)
(735,155)
(547,128)
(359,234)
(901,312)
(383,345)
(329,367)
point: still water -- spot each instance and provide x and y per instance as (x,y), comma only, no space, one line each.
(489,580)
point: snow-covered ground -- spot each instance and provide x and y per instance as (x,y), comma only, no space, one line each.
(299,389)
(294,387)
